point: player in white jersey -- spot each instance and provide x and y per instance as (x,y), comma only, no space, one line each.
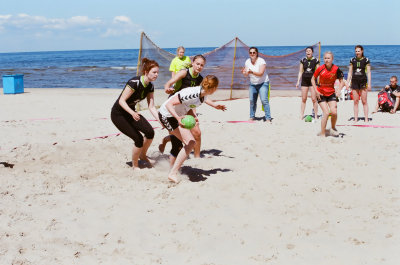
(176,107)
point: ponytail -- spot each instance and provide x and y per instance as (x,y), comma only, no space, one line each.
(210,82)
(147,64)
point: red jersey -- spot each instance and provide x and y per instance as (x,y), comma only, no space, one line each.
(327,79)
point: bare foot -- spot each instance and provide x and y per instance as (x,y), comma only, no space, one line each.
(320,134)
(252,119)
(136,169)
(161,148)
(147,160)
(333,132)
(173,178)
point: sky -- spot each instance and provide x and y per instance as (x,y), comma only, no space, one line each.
(58,25)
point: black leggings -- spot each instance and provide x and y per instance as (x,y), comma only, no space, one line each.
(176,145)
(131,128)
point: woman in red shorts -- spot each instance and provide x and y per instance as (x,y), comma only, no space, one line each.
(325,91)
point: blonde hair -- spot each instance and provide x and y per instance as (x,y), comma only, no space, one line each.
(328,52)
(210,83)
(180,48)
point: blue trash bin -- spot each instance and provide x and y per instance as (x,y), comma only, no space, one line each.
(13,84)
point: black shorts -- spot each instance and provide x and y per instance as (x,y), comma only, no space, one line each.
(170,123)
(306,81)
(327,98)
(358,84)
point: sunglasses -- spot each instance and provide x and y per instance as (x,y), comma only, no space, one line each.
(252,53)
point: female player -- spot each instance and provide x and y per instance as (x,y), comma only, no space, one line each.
(360,77)
(185,78)
(128,120)
(180,61)
(325,92)
(173,110)
(307,68)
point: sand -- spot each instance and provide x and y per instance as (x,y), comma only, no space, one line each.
(261,193)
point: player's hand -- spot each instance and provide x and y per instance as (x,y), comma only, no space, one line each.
(317,94)
(221,107)
(180,121)
(169,90)
(136,116)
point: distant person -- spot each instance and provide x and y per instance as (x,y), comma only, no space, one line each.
(387,98)
(255,69)
(179,62)
(185,78)
(307,68)
(173,110)
(359,78)
(326,93)
(396,93)
(127,119)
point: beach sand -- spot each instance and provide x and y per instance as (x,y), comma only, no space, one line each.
(261,193)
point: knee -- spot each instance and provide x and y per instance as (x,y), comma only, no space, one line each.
(176,147)
(191,143)
(334,112)
(265,101)
(326,113)
(139,141)
(149,134)
(196,135)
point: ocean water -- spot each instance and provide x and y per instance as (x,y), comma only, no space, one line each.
(112,68)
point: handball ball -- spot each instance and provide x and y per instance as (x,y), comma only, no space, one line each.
(308,118)
(188,122)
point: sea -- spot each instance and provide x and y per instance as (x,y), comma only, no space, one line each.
(112,68)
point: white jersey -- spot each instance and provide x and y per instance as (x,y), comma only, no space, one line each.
(189,98)
(255,80)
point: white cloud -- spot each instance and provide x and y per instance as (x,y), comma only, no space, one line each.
(37,25)
(122,25)
(28,22)
(4,17)
(122,19)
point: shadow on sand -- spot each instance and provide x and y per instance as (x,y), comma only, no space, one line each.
(196,175)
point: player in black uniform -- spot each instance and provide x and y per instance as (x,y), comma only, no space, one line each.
(307,68)
(360,77)
(185,78)
(128,120)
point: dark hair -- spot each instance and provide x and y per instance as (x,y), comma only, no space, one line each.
(393,76)
(147,64)
(311,48)
(199,56)
(362,49)
(254,48)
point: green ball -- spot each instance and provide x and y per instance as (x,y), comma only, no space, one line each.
(188,122)
(308,118)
